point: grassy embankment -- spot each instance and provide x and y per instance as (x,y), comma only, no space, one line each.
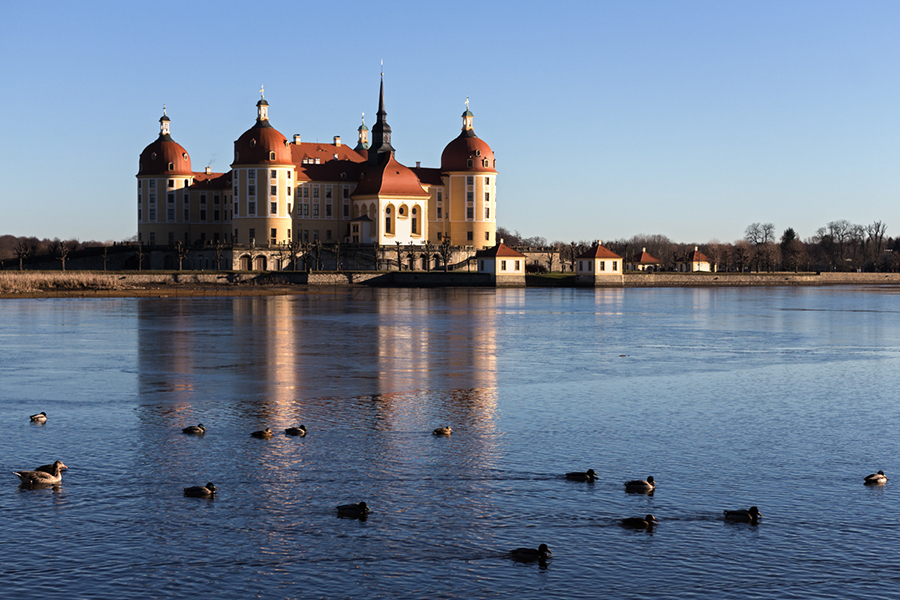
(25,282)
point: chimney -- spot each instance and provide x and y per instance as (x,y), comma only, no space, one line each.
(599,242)
(337,141)
(297,139)
(418,164)
(209,170)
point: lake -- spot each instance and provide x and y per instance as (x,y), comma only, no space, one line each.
(781,398)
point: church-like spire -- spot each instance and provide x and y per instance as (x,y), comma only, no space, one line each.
(381,131)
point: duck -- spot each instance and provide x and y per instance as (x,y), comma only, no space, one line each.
(264,434)
(355,511)
(201,491)
(41,417)
(51,468)
(589,476)
(876,478)
(443,431)
(640,486)
(750,515)
(41,477)
(298,431)
(542,552)
(640,522)
(194,430)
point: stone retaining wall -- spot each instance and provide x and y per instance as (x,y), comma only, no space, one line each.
(757,279)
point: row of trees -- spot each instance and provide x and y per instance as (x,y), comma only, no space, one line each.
(838,246)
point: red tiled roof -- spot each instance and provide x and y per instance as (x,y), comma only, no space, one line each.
(428,175)
(467,146)
(211,181)
(647,259)
(697,256)
(255,144)
(156,157)
(599,251)
(500,249)
(389,178)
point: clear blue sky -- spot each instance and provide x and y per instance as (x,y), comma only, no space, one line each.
(608,119)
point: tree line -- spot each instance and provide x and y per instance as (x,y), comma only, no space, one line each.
(838,246)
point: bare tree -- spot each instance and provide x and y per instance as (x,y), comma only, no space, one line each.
(139,255)
(293,253)
(399,257)
(181,252)
(336,250)
(743,254)
(446,252)
(429,252)
(61,251)
(23,250)
(105,256)
(220,254)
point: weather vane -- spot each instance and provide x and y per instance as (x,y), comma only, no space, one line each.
(467,103)
(164,109)
(262,92)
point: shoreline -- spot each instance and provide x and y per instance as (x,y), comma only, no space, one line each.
(93,284)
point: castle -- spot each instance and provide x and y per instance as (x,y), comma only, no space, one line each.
(280,192)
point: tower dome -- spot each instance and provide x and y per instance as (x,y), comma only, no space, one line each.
(468,152)
(262,144)
(164,156)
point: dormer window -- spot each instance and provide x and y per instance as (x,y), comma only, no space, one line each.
(184,155)
(272,155)
(469,163)
(171,166)
(153,156)
(253,143)
(486,163)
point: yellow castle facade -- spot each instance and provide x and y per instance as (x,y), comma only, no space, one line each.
(279,191)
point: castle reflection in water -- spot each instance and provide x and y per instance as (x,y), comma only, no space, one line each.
(284,358)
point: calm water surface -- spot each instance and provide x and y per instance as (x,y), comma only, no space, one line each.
(779,398)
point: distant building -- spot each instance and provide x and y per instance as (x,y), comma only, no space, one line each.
(694,262)
(599,266)
(505,265)
(645,262)
(279,190)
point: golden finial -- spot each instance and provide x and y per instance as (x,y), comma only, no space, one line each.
(262,94)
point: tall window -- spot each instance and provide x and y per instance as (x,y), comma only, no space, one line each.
(470,180)
(470,196)
(415,220)
(251,208)
(273,190)
(273,174)
(470,213)
(273,208)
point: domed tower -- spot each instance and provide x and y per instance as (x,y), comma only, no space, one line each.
(263,182)
(164,174)
(469,166)
(363,144)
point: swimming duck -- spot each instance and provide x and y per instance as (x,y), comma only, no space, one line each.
(299,431)
(751,515)
(51,468)
(264,434)
(443,431)
(41,477)
(194,430)
(640,486)
(355,511)
(41,417)
(201,491)
(640,522)
(876,478)
(530,554)
(589,476)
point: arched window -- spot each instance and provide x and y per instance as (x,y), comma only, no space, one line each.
(415,220)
